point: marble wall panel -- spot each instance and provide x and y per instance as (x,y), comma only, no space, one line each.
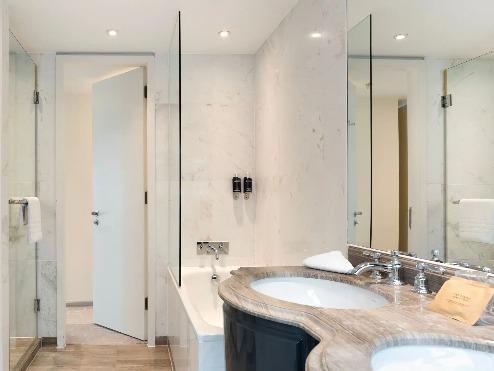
(301,135)
(218,140)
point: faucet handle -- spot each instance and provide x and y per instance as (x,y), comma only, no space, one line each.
(420,285)
(434,269)
(394,253)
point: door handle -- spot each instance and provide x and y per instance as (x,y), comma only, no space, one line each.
(96,222)
(95,213)
(357,213)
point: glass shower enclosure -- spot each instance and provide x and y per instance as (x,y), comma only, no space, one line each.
(174,153)
(22,183)
(469,151)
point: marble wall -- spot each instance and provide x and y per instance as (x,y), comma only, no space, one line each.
(218,140)
(46,249)
(162,199)
(301,135)
(469,152)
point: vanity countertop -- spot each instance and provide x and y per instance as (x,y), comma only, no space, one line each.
(349,337)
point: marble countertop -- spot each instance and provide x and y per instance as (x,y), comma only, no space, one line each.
(349,337)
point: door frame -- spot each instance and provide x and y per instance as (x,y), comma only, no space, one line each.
(146,60)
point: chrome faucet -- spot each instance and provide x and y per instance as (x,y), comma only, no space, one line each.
(394,268)
(215,250)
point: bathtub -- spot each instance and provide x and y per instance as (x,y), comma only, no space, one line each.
(195,320)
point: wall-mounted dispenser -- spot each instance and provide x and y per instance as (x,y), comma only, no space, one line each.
(237,186)
(247,187)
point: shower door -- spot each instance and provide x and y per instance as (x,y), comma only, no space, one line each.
(22,183)
(469,134)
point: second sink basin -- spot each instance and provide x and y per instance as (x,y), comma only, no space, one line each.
(319,293)
(431,357)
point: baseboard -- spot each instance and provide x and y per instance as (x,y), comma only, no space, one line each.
(48,341)
(161,340)
(28,356)
(79,304)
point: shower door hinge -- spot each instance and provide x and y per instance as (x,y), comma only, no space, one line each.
(37,306)
(410,217)
(146,304)
(446,101)
(36,97)
(145,91)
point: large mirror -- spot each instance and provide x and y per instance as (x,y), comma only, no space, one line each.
(423,157)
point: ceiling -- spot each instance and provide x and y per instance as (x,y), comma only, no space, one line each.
(145,25)
(436,28)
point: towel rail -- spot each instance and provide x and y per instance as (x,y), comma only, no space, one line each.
(16,201)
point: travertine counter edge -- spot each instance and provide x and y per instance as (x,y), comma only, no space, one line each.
(349,337)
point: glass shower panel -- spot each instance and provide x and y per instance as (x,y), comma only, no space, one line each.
(174,154)
(22,183)
(359,134)
(469,143)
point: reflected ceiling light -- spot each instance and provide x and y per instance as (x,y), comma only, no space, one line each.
(316,35)
(400,36)
(112,32)
(224,33)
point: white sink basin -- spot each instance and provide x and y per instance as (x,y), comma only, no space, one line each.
(431,357)
(319,293)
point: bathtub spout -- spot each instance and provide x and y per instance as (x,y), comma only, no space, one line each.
(215,250)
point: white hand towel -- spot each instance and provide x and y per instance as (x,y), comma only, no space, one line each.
(477,220)
(333,261)
(34,233)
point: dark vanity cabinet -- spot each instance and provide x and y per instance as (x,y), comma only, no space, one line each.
(256,344)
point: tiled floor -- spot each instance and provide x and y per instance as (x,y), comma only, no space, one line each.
(91,347)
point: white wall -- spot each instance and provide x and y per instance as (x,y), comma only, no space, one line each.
(301,135)
(385,174)
(78,190)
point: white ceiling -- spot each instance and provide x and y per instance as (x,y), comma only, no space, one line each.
(439,28)
(145,25)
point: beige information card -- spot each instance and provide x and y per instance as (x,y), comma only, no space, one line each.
(462,299)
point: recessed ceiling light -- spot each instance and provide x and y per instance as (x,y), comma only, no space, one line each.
(316,35)
(400,36)
(224,33)
(112,32)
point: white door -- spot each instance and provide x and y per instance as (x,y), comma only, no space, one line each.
(118,196)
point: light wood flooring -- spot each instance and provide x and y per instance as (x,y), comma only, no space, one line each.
(91,347)
(102,357)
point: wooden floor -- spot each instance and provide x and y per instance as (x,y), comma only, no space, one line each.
(102,357)
(91,347)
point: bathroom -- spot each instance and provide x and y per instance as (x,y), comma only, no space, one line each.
(257,104)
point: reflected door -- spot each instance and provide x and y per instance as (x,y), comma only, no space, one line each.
(118,204)
(359,137)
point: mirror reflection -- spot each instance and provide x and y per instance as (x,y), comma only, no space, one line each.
(421,156)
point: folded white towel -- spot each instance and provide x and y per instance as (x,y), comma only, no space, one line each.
(477,220)
(34,233)
(333,261)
